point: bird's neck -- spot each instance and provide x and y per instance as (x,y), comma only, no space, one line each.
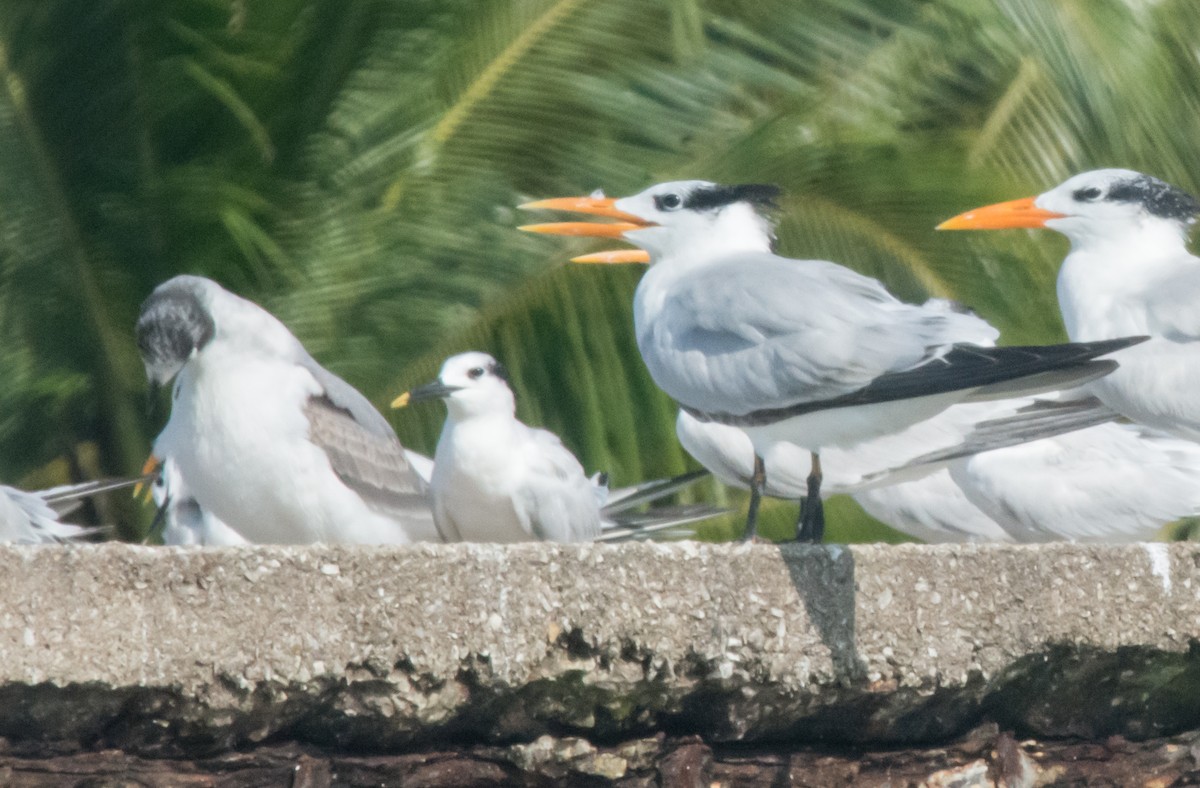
(736,230)
(493,411)
(1103,281)
(479,445)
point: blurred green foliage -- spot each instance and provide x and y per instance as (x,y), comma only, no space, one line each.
(355,167)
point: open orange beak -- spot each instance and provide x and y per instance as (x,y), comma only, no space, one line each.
(594,206)
(149,469)
(1002,216)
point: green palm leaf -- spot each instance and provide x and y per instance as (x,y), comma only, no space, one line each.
(355,167)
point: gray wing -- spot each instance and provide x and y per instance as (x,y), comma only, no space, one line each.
(371,464)
(63,496)
(558,502)
(362,447)
(627,498)
(1036,421)
(342,395)
(660,522)
(758,331)
(764,338)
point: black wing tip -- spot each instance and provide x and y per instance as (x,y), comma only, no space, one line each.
(1067,352)
(1107,364)
(1110,345)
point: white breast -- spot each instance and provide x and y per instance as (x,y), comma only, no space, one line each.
(474,480)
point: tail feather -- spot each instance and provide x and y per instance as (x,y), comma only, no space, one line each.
(664,521)
(72,492)
(627,498)
(979,372)
(1042,419)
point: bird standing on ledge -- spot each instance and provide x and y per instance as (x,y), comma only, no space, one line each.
(1128,272)
(803,351)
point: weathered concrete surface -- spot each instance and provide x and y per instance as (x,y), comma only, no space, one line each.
(160,650)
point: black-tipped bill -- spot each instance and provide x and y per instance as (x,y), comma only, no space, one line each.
(434,390)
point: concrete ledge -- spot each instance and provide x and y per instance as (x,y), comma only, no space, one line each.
(192,651)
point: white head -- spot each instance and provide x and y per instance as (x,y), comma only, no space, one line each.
(1097,208)
(673,219)
(472,384)
(1103,205)
(682,216)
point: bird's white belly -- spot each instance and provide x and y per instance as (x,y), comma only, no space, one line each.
(844,427)
(246,457)
(474,481)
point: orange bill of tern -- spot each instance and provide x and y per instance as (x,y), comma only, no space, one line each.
(594,205)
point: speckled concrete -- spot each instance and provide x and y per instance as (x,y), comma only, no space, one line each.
(189,650)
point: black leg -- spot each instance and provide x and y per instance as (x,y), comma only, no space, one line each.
(758,483)
(160,520)
(812,510)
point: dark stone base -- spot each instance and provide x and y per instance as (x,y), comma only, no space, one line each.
(985,757)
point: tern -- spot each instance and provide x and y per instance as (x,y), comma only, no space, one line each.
(898,480)
(265,438)
(26,518)
(183,520)
(803,351)
(1103,483)
(495,479)
(619,516)
(1128,271)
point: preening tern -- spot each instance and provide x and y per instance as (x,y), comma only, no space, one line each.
(265,438)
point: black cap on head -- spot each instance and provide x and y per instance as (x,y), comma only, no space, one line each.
(1159,198)
(173,323)
(707,198)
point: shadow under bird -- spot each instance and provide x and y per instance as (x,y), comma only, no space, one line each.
(266,439)
(803,351)
(495,479)
(1128,271)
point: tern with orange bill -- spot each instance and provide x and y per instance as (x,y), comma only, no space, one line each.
(1128,271)
(802,351)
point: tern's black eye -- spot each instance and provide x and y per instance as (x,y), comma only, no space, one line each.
(476,373)
(1087,194)
(668,202)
